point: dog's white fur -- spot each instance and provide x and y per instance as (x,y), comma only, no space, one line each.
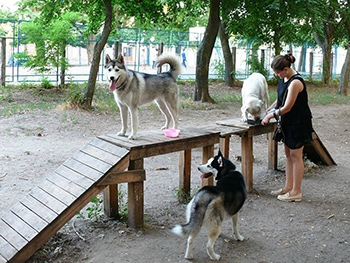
(255,97)
(133,89)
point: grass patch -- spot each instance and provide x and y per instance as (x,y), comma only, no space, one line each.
(27,97)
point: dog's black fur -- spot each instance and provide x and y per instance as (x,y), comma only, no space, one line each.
(213,204)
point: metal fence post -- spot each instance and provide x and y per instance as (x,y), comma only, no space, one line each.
(3,61)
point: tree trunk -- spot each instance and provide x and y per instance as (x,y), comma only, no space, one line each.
(229,81)
(345,74)
(204,53)
(63,66)
(95,63)
(326,46)
(301,64)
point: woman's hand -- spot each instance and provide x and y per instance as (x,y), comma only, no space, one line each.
(266,119)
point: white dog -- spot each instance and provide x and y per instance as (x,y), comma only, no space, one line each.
(255,97)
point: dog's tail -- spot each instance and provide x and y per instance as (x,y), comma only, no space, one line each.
(173,61)
(195,214)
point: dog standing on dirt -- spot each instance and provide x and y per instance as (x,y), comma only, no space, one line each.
(213,204)
(255,97)
(132,89)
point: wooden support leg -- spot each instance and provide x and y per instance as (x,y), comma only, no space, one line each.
(185,172)
(247,160)
(208,151)
(272,152)
(224,145)
(110,201)
(135,198)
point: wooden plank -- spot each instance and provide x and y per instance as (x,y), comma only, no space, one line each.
(121,141)
(39,208)
(123,177)
(176,145)
(29,216)
(58,193)
(109,147)
(225,130)
(45,198)
(19,225)
(11,236)
(81,168)
(68,185)
(2,259)
(75,177)
(6,249)
(55,225)
(100,154)
(92,162)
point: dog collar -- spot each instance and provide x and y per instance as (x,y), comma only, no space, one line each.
(122,86)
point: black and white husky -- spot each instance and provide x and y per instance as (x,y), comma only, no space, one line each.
(214,204)
(133,89)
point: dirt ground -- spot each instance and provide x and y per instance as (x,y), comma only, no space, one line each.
(34,142)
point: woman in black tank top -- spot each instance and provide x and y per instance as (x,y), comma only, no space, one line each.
(296,124)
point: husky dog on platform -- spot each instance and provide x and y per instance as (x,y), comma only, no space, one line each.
(255,97)
(213,204)
(132,89)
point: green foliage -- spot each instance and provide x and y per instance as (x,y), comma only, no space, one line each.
(95,210)
(122,203)
(256,66)
(75,96)
(219,67)
(5,94)
(45,82)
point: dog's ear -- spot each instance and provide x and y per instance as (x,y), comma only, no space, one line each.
(219,153)
(107,59)
(221,161)
(120,59)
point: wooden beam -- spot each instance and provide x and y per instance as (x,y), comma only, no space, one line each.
(124,177)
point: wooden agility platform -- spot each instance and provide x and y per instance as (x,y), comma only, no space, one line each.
(107,161)
(41,213)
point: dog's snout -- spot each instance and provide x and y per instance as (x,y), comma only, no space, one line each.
(111,77)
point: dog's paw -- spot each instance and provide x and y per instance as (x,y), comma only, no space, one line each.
(239,237)
(189,256)
(215,257)
(132,137)
(121,133)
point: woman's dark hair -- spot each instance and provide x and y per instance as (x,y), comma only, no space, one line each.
(282,61)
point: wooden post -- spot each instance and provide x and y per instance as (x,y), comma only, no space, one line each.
(272,148)
(185,172)
(224,145)
(3,62)
(110,201)
(208,151)
(135,198)
(247,160)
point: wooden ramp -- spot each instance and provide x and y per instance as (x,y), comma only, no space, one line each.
(41,213)
(317,152)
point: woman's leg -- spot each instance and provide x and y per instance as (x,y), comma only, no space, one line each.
(289,170)
(296,156)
